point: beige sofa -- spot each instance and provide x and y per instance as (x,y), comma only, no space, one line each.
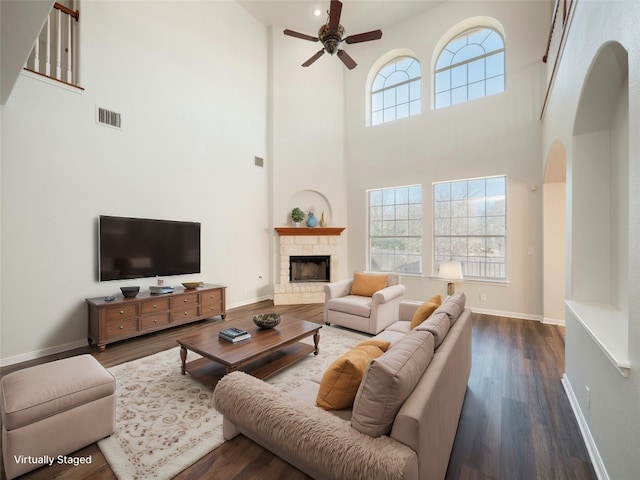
(365,313)
(413,394)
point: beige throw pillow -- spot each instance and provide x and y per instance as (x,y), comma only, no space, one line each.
(366,285)
(388,382)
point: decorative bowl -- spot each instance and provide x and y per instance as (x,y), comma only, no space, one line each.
(267,320)
(130,292)
(189,285)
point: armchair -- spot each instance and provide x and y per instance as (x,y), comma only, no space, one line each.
(366,311)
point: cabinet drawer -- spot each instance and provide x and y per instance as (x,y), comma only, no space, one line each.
(184,314)
(211,309)
(120,312)
(155,305)
(154,321)
(184,301)
(122,327)
(211,297)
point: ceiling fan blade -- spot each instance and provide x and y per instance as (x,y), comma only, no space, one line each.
(314,58)
(303,36)
(364,37)
(346,59)
(334,13)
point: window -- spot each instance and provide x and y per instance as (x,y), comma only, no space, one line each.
(470,66)
(395,92)
(470,226)
(395,229)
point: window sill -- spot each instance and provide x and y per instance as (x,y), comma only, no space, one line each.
(479,281)
(608,327)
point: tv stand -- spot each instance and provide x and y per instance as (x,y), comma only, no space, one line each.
(111,321)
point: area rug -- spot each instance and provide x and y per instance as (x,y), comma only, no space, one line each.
(165,421)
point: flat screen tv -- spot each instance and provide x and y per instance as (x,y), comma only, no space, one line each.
(140,247)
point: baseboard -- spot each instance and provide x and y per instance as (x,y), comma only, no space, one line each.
(500,313)
(24,357)
(553,321)
(592,449)
(249,301)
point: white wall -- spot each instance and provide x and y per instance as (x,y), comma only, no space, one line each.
(495,135)
(554,228)
(307,134)
(610,419)
(194,109)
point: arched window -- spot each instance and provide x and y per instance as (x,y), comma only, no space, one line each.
(395,92)
(470,66)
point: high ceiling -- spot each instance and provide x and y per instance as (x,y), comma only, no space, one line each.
(357,15)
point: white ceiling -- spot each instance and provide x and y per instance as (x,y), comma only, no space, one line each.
(358,16)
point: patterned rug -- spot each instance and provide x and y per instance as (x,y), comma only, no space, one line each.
(165,421)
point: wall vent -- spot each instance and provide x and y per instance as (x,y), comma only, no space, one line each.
(258,161)
(108,118)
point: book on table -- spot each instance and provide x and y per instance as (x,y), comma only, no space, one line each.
(233,332)
(237,338)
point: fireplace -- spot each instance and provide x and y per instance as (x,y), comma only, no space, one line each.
(309,268)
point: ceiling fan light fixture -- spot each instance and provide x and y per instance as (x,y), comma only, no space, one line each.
(332,34)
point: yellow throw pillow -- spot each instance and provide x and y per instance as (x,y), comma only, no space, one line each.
(340,382)
(367,284)
(425,310)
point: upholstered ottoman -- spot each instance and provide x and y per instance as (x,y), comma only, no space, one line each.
(54,409)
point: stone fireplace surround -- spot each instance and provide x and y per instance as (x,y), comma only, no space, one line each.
(305,241)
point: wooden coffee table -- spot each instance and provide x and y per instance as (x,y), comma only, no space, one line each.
(266,353)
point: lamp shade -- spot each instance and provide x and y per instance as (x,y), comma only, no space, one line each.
(450,271)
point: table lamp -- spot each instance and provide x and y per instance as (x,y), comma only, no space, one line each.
(450,271)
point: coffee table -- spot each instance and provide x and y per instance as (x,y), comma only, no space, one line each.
(266,353)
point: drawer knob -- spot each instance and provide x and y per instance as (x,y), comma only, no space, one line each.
(185,300)
(186,313)
(155,320)
(155,306)
(121,312)
(121,327)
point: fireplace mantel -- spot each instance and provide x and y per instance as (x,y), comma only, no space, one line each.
(309,231)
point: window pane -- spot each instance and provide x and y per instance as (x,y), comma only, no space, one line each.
(476,90)
(376,102)
(444,60)
(478,71)
(459,76)
(395,243)
(470,225)
(443,99)
(467,53)
(402,94)
(459,95)
(495,85)
(395,78)
(414,90)
(396,90)
(495,64)
(443,81)
(493,42)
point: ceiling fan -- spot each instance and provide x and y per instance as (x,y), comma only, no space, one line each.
(331,35)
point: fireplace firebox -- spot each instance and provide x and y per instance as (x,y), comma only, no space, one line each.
(309,268)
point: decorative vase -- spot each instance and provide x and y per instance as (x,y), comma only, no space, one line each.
(312,221)
(323,220)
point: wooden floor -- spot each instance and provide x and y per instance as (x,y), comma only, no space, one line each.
(516,421)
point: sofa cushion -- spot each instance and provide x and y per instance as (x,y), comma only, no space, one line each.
(367,284)
(438,324)
(425,310)
(353,304)
(388,382)
(340,382)
(453,306)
